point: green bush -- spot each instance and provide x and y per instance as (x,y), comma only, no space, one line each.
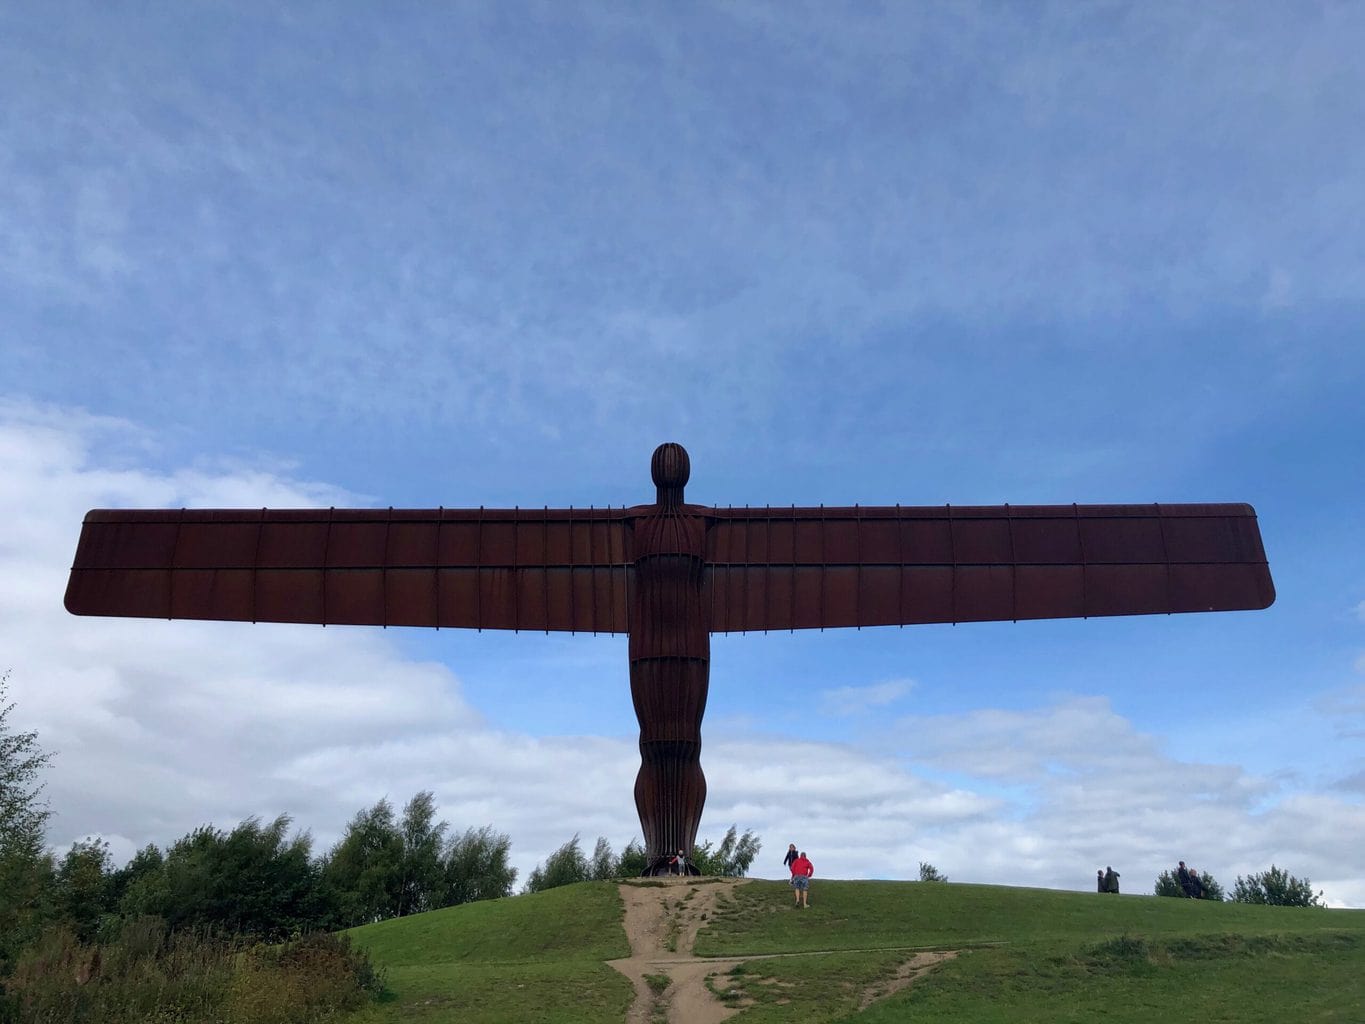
(1167,884)
(1276,888)
(929,873)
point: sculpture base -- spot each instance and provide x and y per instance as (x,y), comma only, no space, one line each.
(662,866)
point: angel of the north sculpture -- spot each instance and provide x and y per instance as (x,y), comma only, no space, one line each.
(669,574)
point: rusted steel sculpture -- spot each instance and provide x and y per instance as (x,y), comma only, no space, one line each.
(669,574)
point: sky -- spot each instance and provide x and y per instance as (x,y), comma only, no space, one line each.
(315,254)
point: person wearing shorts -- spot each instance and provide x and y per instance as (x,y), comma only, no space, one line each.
(802,870)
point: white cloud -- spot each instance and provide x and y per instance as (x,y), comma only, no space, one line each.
(857,700)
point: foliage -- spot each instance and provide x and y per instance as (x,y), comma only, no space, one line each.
(1276,888)
(476,867)
(309,978)
(385,867)
(1167,884)
(191,977)
(421,875)
(147,861)
(253,881)
(732,858)
(83,894)
(603,864)
(633,861)
(568,864)
(929,873)
(563,867)
(25,867)
(363,872)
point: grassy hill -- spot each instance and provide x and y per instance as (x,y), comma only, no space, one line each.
(1029,955)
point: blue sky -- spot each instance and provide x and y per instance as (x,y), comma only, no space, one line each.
(967,253)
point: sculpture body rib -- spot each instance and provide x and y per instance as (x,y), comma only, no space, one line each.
(670,663)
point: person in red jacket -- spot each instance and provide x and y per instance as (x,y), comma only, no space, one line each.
(802,870)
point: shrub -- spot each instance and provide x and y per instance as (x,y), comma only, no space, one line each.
(563,867)
(1167,884)
(1276,888)
(308,979)
(732,858)
(633,860)
(929,873)
(190,977)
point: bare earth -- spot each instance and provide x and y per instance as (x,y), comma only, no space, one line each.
(670,915)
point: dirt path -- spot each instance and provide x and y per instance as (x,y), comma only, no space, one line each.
(906,975)
(662,919)
(661,923)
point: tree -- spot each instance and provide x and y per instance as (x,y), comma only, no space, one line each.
(422,875)
(476,867)
(254,881)
(1276,888)
(1168,885)
(565,866)
(929,873)
(603,864)
(83,892)
(147,861)
(25,867)
(364,870)
(632,862)
(732,858)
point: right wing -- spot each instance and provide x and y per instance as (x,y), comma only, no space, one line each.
(537,569)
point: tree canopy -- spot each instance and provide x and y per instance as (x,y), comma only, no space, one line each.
(1276,888)
(25,867)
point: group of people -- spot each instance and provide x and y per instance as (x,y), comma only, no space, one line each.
(1106,880)
(1188,880)
(802,870)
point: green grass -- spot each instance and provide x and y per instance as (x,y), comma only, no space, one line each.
(1223,979)
(1030,956)
(876,915)
(825,987)
(537,959)
(1036,956)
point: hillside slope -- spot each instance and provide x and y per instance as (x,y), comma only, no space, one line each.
(1025,955)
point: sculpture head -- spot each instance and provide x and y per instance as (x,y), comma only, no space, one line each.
(670,468)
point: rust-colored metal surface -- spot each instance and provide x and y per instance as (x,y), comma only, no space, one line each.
(669,574)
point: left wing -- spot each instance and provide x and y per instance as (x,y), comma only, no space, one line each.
(803,568)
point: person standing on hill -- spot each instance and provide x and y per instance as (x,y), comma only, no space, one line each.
(1111,879)
(1182,877)
(1099,880)
(802,870)
(791,856)
(1195,891)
